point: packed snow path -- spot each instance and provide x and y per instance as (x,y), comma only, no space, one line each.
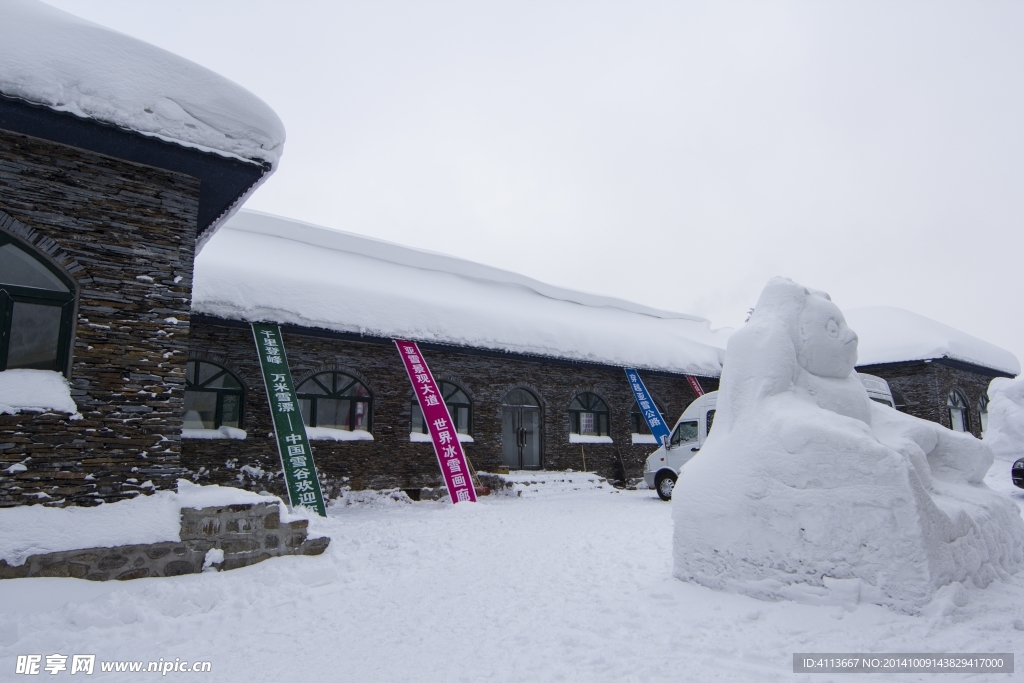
(563,586)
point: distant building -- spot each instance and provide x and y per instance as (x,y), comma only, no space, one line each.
(532,374)
(936,372)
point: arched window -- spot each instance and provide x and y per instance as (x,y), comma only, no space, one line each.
(637,421)
(213,397)
(588,415)
(983,412)
(458,405)
(959,420)
(36,305)
(336,401)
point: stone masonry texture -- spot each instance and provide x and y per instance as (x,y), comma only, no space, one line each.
(926,386)
(391,460)
(247,534)
(124,233)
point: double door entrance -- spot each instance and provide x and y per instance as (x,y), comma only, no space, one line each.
(520,431)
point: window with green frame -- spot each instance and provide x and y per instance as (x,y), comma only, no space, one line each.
(588,415)
(213,397)
(336,401)
(459,407)
(37,302)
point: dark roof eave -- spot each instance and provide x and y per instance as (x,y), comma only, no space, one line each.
(948,362)
(223,180)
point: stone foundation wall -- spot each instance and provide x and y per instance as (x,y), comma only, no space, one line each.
(247,534)
(391,460)
(124,233)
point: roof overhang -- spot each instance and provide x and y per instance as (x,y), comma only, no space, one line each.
(224,180)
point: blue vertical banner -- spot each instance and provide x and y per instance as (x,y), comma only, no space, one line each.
(655,422)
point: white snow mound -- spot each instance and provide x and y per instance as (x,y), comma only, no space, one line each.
(35,529)
(53,58)
(350,283)
(1004,433)
(808,490)
(35,391)
(893,335)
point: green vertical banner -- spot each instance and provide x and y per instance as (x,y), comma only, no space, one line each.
(292,443)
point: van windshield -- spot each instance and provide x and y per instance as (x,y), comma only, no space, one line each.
(685,433)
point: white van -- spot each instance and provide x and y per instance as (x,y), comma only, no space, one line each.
(692,429)
(688,436)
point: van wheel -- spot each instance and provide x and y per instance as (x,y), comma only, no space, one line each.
(664,483)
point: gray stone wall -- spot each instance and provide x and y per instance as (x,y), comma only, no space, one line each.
(125,233)
(247,534)
(926,385)
(391,460)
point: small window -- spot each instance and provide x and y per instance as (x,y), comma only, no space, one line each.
(685,432)
(213,397)
(983,412)
(958,416)
(710,419)
(636,418)
(588,415)
(901,401)
(36,306)
(458,405)
(336,401)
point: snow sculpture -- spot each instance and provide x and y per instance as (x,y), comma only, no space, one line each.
(1005,431)
(806,489)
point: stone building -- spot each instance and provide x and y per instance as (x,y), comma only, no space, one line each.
(935,372)
(532,374)
(115,159)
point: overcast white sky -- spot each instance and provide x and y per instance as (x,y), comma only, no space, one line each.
(676,154)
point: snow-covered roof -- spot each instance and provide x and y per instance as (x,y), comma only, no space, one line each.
(260,267)
(892,335)
(58,60)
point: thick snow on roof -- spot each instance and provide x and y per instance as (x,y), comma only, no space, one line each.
(263,267)
(53,58)
(892,335)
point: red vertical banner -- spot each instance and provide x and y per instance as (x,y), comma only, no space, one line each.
(450,456)
(695,385)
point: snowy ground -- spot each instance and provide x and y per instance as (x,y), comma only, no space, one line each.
(569,582)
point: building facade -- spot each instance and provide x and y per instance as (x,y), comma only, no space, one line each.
(98,228)
(512,411)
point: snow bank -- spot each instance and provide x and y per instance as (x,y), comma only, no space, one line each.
(53,58)
(36,391)
(808,490)
(35,529)
(891,335)
(340,281)
(222,432)
(1004,433)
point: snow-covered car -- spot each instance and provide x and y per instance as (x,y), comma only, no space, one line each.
(692,427)
(1018,473)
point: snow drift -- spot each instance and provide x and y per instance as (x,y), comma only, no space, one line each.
(350,283)
(53,58)
(1005,431)
(806,489)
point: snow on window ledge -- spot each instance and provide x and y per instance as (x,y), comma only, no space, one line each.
(644,438)
(37,391)
(220,433)
(586,438)
(418,437)
(328,434)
